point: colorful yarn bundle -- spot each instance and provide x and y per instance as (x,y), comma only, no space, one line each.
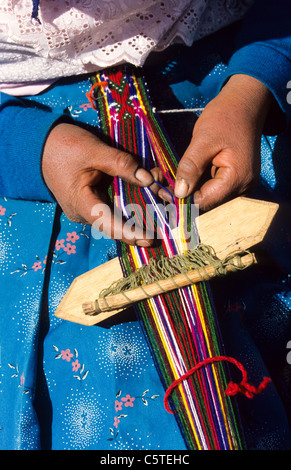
(181,326)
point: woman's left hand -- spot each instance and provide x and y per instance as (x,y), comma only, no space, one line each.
(226,138)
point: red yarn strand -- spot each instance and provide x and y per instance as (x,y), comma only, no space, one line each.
(232,389)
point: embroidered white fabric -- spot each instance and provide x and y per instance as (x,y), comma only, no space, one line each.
(80,36)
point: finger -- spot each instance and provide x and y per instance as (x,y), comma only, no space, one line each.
(158,180)
(167,194)
(218,189)
(193,165)
(160,186)
(96,211)
(115,162)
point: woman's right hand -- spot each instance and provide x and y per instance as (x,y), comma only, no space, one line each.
(76,165)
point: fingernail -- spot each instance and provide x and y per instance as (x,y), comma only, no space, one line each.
(144,176)
(181,188)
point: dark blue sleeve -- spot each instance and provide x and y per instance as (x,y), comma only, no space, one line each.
(263,48)
(24,126)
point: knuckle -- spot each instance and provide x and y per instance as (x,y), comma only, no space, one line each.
(70,205)
(188,166)
(75,218)
(124,162)
(157,174)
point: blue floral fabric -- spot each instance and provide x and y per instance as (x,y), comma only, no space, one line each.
(67,386)
(64,385)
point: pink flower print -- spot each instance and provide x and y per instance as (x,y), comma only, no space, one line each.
(37,265)
(66,355)
(44,261)
(116,421)
(85,106)
(128,400)
(59,244)
(76,365)
(118,405)
(72,237)
(70,248)
(2,210)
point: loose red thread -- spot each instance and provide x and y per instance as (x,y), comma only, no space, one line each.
(91,96)
(232,389)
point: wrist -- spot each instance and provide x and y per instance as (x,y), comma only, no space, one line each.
(250,95)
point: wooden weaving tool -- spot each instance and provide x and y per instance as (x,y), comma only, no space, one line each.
(236,225)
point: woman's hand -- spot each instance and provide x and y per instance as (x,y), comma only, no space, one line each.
(76,165)
(226,139)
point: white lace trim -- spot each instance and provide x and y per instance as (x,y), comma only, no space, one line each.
(80,36)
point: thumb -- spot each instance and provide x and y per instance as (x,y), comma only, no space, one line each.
(192,166)
(115,162)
